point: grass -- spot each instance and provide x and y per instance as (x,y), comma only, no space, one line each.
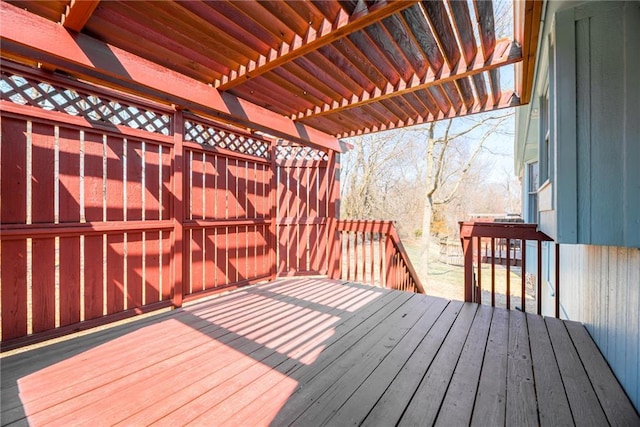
(447,280)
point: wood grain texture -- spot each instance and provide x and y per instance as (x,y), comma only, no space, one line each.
(308,351)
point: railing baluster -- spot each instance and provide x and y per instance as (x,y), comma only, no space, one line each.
(493,272)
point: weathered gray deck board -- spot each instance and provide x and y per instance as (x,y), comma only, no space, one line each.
(521,397)
(553,407)
(320,352)
(491,400)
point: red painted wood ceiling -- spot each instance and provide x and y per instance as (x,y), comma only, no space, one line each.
(344,67)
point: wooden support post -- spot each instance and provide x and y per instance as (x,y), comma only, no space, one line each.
(178,267)
(467,250)
(539,278)
(333,237)
(493,272)
(272,239)
(390,267)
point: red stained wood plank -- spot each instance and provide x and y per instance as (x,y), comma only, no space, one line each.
(167,193)
(195,265)
(210,258)
(221,257)
(93,277)
(241,192)
(115,273)
(152,267)
(464,28)
(484,15)
(69,173)
(134,270)
(241,252)
(93,178)
(194,171)
(232,254)
(152,181)
(134,180)
(13,174)
(251,190)
(439,19)
(232,188)
(167,288)
(69,280)
(210,186)
(43,294)
(221,187)
(115,187)
(42,171)
(14,285)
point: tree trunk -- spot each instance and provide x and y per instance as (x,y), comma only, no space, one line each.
(427,214)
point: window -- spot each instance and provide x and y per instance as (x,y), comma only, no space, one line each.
(532,191)
(545,142)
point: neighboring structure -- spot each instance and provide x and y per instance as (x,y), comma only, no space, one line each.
(577,151)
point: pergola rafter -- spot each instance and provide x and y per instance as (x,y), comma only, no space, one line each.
(335,67)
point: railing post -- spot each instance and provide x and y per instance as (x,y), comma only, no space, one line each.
(334,236)
(390,282)
(178,266)
(272,239)
(467,250)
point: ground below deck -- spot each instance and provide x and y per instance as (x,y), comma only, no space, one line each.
(320,352)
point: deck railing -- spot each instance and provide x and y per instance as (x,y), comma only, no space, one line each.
(503,244)
(372,252)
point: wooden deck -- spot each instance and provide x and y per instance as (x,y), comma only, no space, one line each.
(313,352)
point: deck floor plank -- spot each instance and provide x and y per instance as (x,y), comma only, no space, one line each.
(355,408)
(457,406)
(491,399)
(553,407)
(425,404)
(343,386)
(313,351)
(390,407)
(613,399)
(585,407)
(521,395)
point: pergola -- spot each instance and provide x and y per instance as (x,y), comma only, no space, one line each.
(339,68)
(165,150)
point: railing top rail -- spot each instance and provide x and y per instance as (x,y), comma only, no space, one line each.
(501,230)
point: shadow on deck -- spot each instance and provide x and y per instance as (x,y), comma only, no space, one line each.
(314,352)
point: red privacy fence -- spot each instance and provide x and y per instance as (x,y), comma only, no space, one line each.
(112,206)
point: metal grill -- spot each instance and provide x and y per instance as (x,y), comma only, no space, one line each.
(296,152)
(26,91)
(206,134)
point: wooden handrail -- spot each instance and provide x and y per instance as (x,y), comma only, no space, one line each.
(486,242)
(372,252)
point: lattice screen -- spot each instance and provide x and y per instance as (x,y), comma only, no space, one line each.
(26,91)
(207,134)
(295,152)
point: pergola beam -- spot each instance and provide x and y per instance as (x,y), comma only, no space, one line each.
(77,14)
(506,52)
(327,33)
(27,37)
